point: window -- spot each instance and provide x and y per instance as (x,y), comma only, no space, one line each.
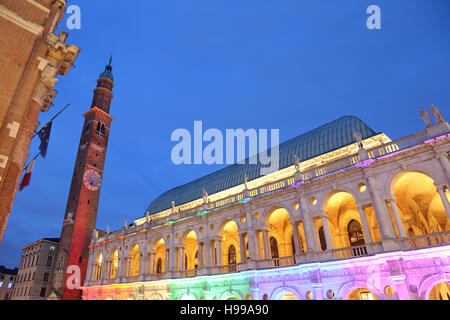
(274,248)
(355,233)
(46,275)
(232,255)
(366,296)
(10,285)
(43,291)
(49,261)
(1,284)
(100,129)
(159,266)
(323,242)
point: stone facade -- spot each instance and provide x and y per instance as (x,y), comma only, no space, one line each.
(7,280)
(31,57)
(33,278)
(372,225)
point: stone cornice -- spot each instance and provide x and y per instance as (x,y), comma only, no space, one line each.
(20,21)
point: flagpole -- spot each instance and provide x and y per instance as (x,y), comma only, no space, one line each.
(32,161)
(63,109)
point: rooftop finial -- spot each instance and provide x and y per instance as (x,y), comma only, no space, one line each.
(110,60)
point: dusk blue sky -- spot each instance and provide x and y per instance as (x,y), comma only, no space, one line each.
(291,65)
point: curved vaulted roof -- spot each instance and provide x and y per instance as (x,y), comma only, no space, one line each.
(324,139)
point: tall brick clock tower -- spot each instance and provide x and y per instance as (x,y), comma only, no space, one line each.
(81,212)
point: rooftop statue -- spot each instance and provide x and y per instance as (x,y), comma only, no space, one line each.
(246,180)
(205,196)
(437,114)
(297,163)
(426,117)
(359,138)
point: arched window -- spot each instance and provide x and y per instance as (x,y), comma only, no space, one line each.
(159,266)
(100,129)
(232,255)
(274,248)
(355,233)
(196,260)
(293,245)
(323,242)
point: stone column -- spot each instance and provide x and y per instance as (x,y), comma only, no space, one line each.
(171,255)
(90,266)
(266,244)
(297,244)
(103,267)
(219,251)
(253,245)
(152,262)
(207,248)
(397,218)
(440,190)
(143,268)
(182,259)
(365,225)
(327,231)
(443,159)
(384,220)
(166,258)
(242,248)
(201,249)
(309,227)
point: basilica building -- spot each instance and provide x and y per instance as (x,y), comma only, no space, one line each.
(350,214)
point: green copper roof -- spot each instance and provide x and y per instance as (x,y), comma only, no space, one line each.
(329,137)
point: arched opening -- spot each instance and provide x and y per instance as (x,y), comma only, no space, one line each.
(289,296)
(159,266)
(419,204)
(187,296)
(114,264)
(344,220)
(97,267)
(323,242)
(135,261)
(440,291)
(189,242)
(362,294)
(274,248)
(355,233)
(281,237)
(231,251)
(160,254)
(232,255)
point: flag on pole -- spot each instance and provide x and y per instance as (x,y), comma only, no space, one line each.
(27,176)
(44,135)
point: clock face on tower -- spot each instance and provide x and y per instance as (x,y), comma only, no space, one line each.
(92,180)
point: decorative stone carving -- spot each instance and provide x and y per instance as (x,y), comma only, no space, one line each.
(426,117)
(437,114)
(205,196)
(297,163)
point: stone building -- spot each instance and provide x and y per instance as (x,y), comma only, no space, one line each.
(33,277)
(350,214)
(31,57)
(7,280)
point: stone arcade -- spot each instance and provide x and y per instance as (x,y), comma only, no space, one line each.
(350,214)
